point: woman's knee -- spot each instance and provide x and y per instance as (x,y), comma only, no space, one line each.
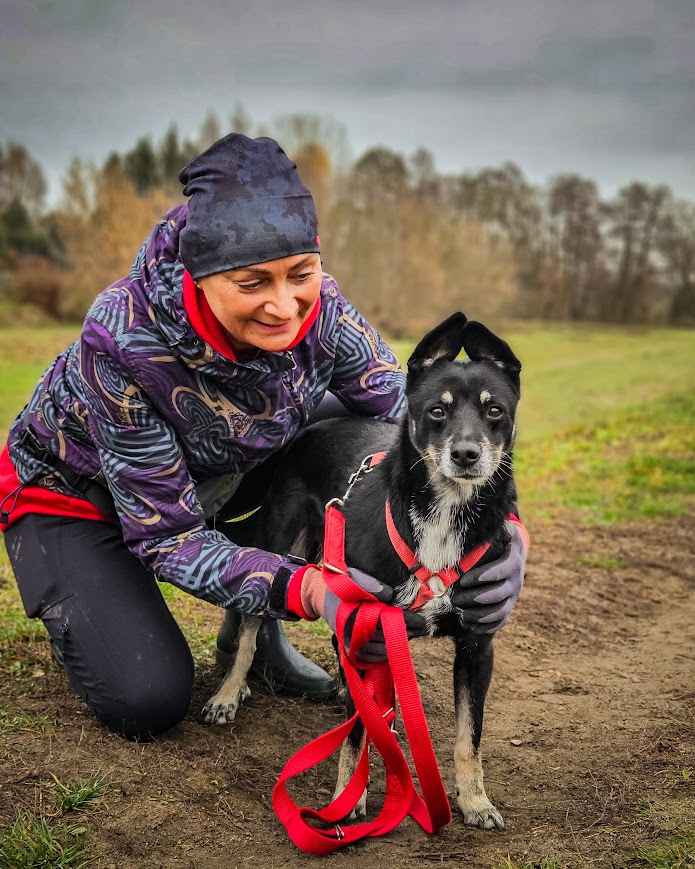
(149,706)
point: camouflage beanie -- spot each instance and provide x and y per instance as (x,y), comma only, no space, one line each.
(247,205)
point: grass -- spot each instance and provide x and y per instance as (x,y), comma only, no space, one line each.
(79,794)
(20,722)
(24,355)
(637,463)
(31,842)
(671,853)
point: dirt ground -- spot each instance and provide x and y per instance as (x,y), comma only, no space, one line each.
(589,744)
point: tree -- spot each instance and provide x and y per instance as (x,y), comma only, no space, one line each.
(423,174)
(210,131)
(574,208)
(314,167)
(295,132)
(141,165)
(636,217)
(240,121)
(21,179)
(170,157)
(21,236)
(676,244)
(511,210)
(379,175)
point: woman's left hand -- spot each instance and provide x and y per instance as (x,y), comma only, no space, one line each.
(485,596)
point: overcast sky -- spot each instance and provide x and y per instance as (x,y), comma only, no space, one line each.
(602,87)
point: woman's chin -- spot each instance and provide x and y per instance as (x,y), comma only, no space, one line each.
(274,343)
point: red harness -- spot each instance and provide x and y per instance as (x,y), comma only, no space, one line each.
(373,688)
(431,584)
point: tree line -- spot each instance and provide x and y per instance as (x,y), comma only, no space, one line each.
(408,243)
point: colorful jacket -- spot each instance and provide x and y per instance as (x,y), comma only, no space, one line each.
(142,404)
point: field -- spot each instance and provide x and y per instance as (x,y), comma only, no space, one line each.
(590,728)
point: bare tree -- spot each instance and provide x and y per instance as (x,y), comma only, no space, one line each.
(676,244)
(574,209)
(636,216)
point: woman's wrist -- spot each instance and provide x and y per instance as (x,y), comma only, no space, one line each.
(286,599)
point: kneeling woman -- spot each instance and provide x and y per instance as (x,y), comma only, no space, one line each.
(219,346)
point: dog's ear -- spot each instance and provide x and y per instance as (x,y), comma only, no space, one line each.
(443,342)
(481,344)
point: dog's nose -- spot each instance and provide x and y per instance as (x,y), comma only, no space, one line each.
(466,454)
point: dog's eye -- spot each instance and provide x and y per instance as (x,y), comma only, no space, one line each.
(437,413)
(494,412)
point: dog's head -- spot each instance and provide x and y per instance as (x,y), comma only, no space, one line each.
(461,415)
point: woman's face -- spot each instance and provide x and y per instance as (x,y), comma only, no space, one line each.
(265,305)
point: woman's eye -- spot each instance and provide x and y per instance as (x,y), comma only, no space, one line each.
(303,276)
(494,412)
(437,413)
(249,285)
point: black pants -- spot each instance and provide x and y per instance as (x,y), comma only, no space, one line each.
(122,650)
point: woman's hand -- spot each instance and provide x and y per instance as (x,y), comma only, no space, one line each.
(308,589)
(485,596)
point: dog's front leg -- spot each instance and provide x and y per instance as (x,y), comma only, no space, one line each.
(472,674)
(222,707)
(351,749)
(350,752)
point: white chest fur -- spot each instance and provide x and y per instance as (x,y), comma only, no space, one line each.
(440,534)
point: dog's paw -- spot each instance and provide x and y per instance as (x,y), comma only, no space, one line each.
(219,710)
(480,812)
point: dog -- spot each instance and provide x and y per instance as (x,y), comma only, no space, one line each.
(448,478)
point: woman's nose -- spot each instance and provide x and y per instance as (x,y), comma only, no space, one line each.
(283,305)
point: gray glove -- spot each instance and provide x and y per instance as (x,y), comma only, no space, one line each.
(485,596)
(375,649)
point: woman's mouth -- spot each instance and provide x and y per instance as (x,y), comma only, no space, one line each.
(274,328)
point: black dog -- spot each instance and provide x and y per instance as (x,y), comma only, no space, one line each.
(448,478)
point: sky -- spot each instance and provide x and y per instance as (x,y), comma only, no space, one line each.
(605,88)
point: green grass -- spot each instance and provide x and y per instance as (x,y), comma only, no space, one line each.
(22,722)
(35,843)
(637,463)
(77,795)
(665,854)
(24,356)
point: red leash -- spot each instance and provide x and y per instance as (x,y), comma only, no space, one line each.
(373,688)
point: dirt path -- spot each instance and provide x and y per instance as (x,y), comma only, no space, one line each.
(595,678)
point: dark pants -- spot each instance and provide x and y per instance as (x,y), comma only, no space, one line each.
(121,648)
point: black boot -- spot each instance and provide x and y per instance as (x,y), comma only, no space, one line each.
(276,664)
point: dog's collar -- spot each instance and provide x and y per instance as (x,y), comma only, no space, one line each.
(432,583)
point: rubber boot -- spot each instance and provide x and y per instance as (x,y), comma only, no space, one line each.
(276,664)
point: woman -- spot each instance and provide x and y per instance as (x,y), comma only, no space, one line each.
(210,356)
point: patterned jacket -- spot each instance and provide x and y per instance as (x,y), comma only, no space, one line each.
(142,404)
